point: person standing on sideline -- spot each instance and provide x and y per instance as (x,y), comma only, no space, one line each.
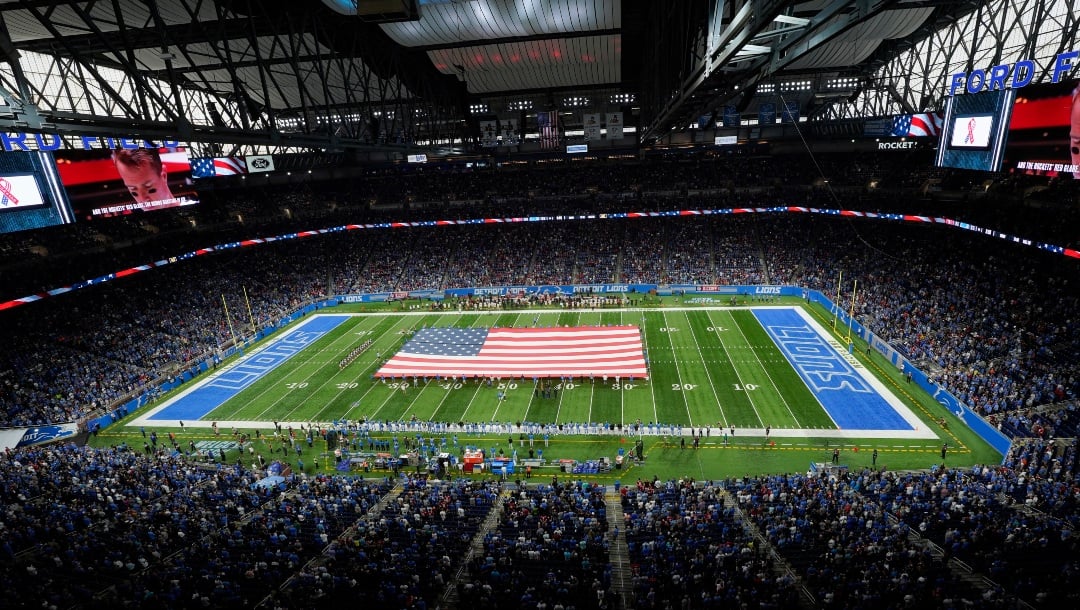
(944,450)
(836,456)
(873,458)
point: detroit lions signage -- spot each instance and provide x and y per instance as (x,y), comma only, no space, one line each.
(45,434)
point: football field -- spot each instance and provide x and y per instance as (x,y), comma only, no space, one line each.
(754,369)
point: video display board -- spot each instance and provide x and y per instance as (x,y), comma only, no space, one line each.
(102,183)
(972,131)
(1044,131)
(31,196)
(976,127)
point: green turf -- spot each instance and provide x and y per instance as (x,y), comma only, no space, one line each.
(708,368)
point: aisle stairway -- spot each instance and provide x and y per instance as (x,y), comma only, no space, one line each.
(450,597)
(622,581)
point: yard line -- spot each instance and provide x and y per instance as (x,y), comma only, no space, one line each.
(468,406)
(561,388)
(411,402)
(558,410)
(375,365)
(736,369)
(478,385)
(622,393)
(447,395)
(652,390)
(766,369)
(382,404)
(345,337)
(532,399)
(511,380)
(288,416)
(712,386)
(592,389)
(690,418)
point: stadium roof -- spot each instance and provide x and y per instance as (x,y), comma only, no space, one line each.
(336,67)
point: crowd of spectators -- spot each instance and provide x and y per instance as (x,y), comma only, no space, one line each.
(71,356)
(76,519)
(83,527)
(116,527)
(660,182)
(993,322)
(689,549)
(994,327)
(848,549)
(405,556)
(919,539)
(251,559)
(957,510)
(549,549)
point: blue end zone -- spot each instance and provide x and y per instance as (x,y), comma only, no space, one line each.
(228,383)
(851,402)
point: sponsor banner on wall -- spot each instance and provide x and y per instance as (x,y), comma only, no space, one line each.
(790,113)
(614,126)
(510,134)
(591,124)
(489,134)
(46,434)
(732,118)
(259,163)
(875,128)
(767,114)
(551,289)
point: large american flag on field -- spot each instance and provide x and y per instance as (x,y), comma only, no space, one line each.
(915,125)
(513,352)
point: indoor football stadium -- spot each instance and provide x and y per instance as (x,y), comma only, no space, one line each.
(539,304)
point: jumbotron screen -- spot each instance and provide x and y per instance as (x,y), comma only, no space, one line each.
(971,131)
(30,193)
(975,130)
(102,183)
(1040,141)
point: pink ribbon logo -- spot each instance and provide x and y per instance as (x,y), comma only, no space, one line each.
(6,196)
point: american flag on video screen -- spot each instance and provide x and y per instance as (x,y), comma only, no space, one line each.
(915,125)
(229,166)
(202,167)
(512,352)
